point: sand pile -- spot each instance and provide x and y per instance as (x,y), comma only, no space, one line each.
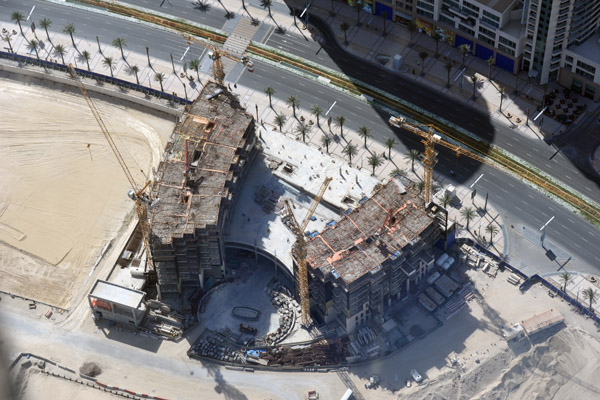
(559,367)
(62,191)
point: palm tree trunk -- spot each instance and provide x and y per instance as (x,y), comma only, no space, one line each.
(136,78)
(62,57)
(21,28)
(47,35)
(270,104)
(161,86)
(88,64)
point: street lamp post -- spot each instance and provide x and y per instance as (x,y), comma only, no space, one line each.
(474,191)
(543,230)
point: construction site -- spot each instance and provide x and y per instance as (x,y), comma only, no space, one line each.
(196,188)
(372,256)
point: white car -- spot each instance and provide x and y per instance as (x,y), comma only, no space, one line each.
(416,376)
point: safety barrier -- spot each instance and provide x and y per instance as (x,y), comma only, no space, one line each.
(93,75)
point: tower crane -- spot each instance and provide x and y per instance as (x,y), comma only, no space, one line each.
(430,139)
(138,194)
(216,54)
(300,250)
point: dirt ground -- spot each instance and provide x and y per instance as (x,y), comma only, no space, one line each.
(557,363)
(62,191)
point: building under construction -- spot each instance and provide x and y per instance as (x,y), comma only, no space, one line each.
(196,183)
(372,256)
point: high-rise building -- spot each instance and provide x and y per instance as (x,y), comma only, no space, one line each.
(553,40)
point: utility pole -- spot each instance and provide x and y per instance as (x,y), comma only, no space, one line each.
(543,229)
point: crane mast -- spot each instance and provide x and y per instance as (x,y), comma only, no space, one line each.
(216,56)
(300,250)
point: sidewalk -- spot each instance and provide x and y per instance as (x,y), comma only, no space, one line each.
(367,41)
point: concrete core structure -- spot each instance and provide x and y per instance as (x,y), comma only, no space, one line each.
(371,257)
(196,184)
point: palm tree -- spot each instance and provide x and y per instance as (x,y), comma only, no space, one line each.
(136,70)
(302,129)
(423,55)
(390,142)
(108,63)
(412,27)
(160,78)
(46,23)
(86,56)
(316,111)
(421,186)
(339,121)
(365,133)
(590,295)
(374,161)
(350,151)
(474,80)
(384,15)
(413,155)
(59,49)
(468,213)
(566,278)
(119,43)
(397,172)
(436,38)
(446,199)
(293,102)
(195,66)
(6,37)
(448,68)
(266,4)
(34,45)
(490,62)
(70,29)
(501,92)
(18,17)
(492,229)
(228,14)
(269,91)
(464,49)
(280,120)
(358,7)
(326,141)
(344,27)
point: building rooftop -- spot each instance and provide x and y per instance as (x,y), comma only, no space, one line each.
(117,294)
(208,138)
(357,244)
(497,5)
(590,49)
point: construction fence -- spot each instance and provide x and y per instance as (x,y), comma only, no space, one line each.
(98,77)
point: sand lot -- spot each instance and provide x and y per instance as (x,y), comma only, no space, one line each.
(62,192)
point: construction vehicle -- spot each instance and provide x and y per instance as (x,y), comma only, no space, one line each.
(245,328)
(215,54)
(300,250)
(140,195)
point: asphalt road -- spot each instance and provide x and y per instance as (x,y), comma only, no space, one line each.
(565,169)
(515,200)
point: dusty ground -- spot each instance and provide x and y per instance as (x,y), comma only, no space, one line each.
(559,363)
(62,192)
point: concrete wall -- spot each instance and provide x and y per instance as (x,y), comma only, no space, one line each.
(8,68)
